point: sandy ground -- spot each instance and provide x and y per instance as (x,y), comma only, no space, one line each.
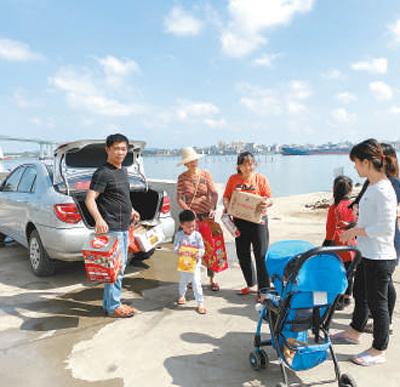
(52,332)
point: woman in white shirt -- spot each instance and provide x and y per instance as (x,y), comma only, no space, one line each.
(375,231)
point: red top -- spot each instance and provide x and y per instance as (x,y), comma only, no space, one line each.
(339,217)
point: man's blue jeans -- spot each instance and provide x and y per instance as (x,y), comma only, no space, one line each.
(112,292)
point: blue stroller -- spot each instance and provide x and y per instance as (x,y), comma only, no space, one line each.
(308,283)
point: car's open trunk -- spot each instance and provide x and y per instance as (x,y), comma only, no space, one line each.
(147,203)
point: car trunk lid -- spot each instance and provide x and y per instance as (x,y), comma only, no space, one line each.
(79,159)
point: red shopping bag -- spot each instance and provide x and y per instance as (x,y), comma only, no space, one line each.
(215,257)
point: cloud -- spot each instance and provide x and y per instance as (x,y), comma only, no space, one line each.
(381,90)
(249,19)
(117,69)
(265,102)
(266,60)
(188,110)
(299,90)
(332,74)
(237,46)
(181,23)
(342,116)
(394,30)
(294,107)
(103,106)
(345,97)
(266,105)
(82,94)
(23,101)
(394,110)
(14,51)
(42,123)
(374,66)
(212,123)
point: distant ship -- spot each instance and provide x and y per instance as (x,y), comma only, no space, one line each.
(317,150)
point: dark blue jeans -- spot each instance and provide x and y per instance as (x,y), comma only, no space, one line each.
(371,284)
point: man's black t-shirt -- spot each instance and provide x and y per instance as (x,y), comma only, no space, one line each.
(114,202)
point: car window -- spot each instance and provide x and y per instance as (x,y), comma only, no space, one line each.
(11,184)
(28,180)
(49,169)
(92,156)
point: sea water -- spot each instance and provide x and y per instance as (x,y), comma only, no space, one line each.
(287,175)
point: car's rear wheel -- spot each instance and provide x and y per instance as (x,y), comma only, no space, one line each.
(42,265)
(2,239)
(141,256)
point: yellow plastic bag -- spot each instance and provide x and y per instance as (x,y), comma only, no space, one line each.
(187,259)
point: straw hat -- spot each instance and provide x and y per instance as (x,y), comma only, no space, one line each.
(189,154)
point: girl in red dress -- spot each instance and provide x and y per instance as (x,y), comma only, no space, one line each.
(340,218)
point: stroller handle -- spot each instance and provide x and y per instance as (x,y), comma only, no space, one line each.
(293,268)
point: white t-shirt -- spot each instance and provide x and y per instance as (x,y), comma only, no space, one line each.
(377,215)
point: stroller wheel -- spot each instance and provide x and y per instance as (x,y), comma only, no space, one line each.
(258,360)
(347,380)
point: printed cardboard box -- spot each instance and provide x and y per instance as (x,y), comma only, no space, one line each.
(148,239)
(244,205)
(103,260)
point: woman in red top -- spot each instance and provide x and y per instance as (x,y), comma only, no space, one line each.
(340,218)
(251,234)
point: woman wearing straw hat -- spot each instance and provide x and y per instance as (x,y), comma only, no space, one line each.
(196,191)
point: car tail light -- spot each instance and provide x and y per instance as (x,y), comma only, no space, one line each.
(166,204)
(67,213)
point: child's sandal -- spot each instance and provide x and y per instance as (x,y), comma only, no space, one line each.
(201,310)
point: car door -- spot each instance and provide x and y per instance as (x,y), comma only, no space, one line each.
(25,201)
(8,203)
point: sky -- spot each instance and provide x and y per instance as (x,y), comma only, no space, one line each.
(176,73)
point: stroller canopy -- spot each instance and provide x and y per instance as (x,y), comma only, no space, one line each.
(322,272)
(280,254)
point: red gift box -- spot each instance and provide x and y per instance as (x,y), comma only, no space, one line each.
(103,260)
(215,257)
(133,246)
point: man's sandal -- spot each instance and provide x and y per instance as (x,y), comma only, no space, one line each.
(130,309)
(122,312)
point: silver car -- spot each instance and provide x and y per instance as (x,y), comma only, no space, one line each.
(42,204)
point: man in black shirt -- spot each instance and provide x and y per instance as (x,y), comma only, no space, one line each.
(108,201)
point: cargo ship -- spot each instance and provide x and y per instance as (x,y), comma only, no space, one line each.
(317,150)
